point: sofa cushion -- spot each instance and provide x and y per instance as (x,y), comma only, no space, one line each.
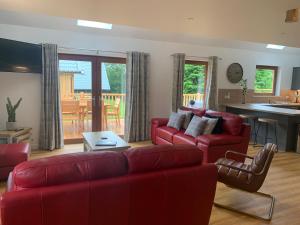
(232,123)
(196,126)
(166,133)
(219,139)
(197,112)
(187,119)
(176,120)
(69,168)
(219,126)
(182,138)
(210,125)
(154,158)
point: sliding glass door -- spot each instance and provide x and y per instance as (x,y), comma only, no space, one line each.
(113,88)
(92,94)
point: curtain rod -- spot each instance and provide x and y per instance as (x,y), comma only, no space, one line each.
(98,51)
(199,57)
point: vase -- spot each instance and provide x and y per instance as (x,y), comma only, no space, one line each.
(243,99)
(11,126)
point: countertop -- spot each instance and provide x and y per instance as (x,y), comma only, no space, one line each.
(271,108)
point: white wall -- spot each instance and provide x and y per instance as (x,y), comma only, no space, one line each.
(161,64)
(28,87)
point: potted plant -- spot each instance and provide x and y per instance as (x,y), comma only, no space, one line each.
(243,84)
(11,123)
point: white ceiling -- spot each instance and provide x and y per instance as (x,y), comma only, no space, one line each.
(252,20)
(60,23)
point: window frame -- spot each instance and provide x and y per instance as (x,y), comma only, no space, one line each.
(204,63)
(275,69)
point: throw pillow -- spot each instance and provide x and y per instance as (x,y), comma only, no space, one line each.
(188,117)
(176,120)
(196,126)
(219,126)
(210,125)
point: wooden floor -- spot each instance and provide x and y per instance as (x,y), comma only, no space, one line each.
(283,181)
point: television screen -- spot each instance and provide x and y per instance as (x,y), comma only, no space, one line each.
(20,57)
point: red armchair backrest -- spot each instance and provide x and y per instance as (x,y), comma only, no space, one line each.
(162,185)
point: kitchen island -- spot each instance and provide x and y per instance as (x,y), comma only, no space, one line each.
(287,115)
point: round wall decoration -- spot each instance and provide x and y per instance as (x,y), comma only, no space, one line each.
(235,73)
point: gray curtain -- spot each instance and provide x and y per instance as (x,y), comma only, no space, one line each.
(51,134)
(137,103)
(178,76)
(211,101)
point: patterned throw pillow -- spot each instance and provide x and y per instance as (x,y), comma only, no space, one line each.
(210,125)
(188,117)
(196,126)
(176,120)
(219,126)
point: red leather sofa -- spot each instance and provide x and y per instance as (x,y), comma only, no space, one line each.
(161,185)
(10,156)
(235,136)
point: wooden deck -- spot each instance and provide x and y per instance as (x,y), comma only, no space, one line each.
(283,181)
(73,130)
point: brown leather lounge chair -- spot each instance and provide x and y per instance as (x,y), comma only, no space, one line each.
(247,177)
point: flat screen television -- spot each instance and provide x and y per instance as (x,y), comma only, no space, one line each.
(20,57)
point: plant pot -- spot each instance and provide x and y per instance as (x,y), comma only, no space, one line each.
(243,99)
(11,126)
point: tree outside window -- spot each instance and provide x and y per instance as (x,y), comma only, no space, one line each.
(265,80)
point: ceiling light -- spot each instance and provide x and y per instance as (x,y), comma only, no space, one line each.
(278,47)
(86,23)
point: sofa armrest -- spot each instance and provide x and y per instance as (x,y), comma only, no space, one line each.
(158,122)
(246,130)
(155,123)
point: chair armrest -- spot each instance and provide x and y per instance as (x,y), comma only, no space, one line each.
(159,121)
(236,168)
(237,153)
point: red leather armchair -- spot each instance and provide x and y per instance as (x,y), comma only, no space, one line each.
(161,185)
(235,136)
(10,156)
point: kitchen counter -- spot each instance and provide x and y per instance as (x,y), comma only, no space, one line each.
(290,109)
(287,115)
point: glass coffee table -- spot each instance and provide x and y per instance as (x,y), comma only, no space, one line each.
(91,138)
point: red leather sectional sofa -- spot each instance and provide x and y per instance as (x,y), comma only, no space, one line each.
(161,185)
(235,136)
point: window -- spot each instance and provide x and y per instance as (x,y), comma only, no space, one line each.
(194,83)
(265,80)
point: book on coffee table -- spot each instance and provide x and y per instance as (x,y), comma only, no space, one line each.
(106,143)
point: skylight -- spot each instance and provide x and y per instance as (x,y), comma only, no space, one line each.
(278,47)
(86,23)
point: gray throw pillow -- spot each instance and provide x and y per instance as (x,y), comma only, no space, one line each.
(176,120)
(188,117)
(210,125)
(196,126)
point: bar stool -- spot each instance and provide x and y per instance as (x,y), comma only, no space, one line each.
(248,118)
(267,122)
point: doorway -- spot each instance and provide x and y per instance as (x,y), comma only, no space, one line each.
(92,94)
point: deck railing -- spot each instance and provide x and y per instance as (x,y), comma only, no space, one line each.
(111,97)
(188,97)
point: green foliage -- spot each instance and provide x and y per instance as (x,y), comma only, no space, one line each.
(194,79)
(264,81)
(11,109)
(116,74)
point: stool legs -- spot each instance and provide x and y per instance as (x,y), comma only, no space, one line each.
(266,133)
